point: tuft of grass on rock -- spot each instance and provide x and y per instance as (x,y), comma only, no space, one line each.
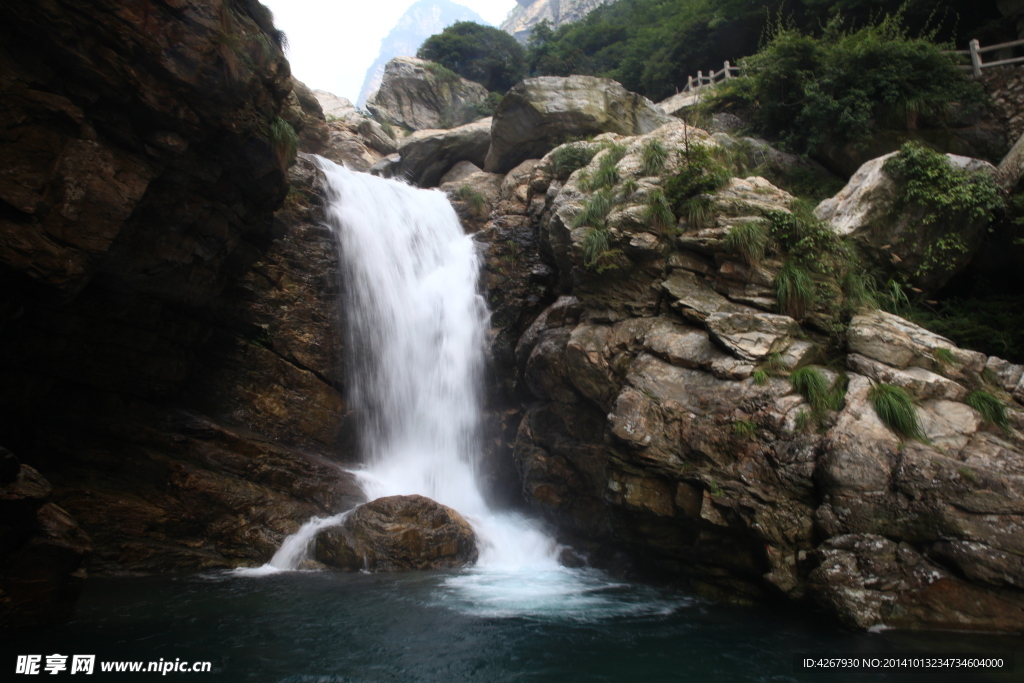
(654,156)
(749,240)
(794,289)
(657,211)
(991,408)
(896,410)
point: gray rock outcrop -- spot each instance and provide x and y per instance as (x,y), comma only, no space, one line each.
(427,155)
(897,237)
(420,95)
(661,419)
(538,114)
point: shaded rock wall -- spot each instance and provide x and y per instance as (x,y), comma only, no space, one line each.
(170,356)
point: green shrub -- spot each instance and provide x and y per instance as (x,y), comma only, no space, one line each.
(896,410)
(443,73)
(760,377)
(822,92)
(700,174)
(949,197)
(482,54)
(488,106)
(657,211)
(991,408)
(794,290)
(476,202)
(654,156)
(749,240)
(283,141)
(571,157)
(699,212)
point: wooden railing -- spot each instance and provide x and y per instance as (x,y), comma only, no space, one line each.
(976,51)
(702,81)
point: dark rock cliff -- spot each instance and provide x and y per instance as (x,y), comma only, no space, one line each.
(169,356)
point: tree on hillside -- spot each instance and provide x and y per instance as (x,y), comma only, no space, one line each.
(482,54)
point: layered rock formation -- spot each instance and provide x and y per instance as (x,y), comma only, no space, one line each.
(398,533)
(660,417)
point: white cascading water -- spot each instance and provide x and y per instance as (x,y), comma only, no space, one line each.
(416,324)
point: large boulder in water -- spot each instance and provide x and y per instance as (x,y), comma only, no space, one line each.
(539,114)
(398,533)
(420,95)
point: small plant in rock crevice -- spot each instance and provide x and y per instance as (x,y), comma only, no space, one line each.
(748,239)
(654,156)
(745,429)
(283,141)
(657,212)
(795,290)
(991,408)
(896,410)
(473,198)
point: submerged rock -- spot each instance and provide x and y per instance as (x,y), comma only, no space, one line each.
(398,533)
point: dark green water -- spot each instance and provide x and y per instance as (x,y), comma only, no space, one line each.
(329,628)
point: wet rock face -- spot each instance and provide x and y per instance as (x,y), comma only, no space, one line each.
(415,95)
(170,361)
(398,533)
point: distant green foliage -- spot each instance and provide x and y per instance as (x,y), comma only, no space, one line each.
(489,105)
(749,240)
(989,321)
(572,157)
(794,290)
(482,54)
(652,46)
(991,408)
(654,157)
(950,197)
(896,410)
(476,202)
(822,92)
(283,141)
(657,211)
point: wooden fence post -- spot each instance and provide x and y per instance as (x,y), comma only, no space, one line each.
(976,58)
(727,74)
(689,83)
(700,79)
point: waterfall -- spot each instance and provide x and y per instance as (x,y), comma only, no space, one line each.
(416,324)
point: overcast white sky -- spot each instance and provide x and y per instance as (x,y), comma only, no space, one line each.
(333,42)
